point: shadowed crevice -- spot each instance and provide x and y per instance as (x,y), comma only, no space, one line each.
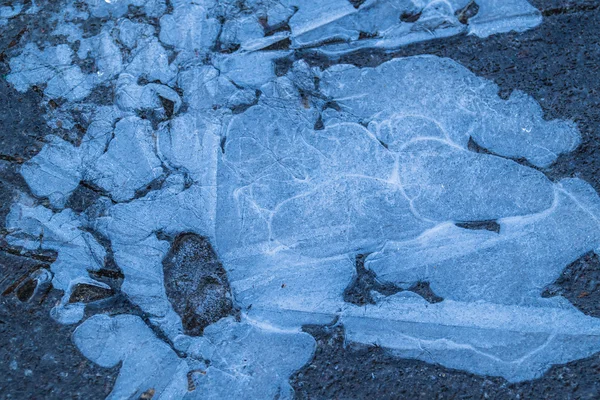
(359,291)
(489,225)
(580,284)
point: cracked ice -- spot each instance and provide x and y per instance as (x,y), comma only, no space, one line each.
(290,176)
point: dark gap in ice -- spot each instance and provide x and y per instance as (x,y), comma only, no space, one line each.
(92,26)
(196,283)
(138,14)
(316,82)
(17,282)
(41,255)
(102,95)
(473,146)
(305,97)
(356,3)
(94,188)
(410,16)
(489,225)
(229,48)
(467,12)
(110,274)
(168,7)
(283,44)
(26,290)
(314,58)
(580,284)
(359,290)
(278,28)
(365,281)
(148,394)
(56,103)
(282,66)
(366,35)
(423,289)
(107,274)
(87,65)
(319,124)
(332,104)
(82,198)
(168,106)
(11,159)
(222,144)
(85,293)
(155,116)
(155,184)
(17,38)
(328,41)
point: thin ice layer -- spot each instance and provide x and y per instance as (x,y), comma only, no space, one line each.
(244,359)
(390,168)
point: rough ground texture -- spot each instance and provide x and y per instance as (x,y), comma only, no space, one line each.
(196,283)
(37,356)
(348,371)
(556,63)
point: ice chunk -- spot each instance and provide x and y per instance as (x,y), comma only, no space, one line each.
(106,54)
(130,161)
(131,96)
(338,27)
(252,358)
(36,227)
(151,61)
(463,106)
(52,66)
(445,182)
(294,200)
(189,28)
(499,16)
(188,145)
(130,33)
(146,362)
(54,172)
(518,342)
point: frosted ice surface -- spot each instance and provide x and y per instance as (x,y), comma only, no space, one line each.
(55,172)
(395,189)
(52,66)
(291,175)
(514,128)
(130,161)
(189,28)
(335,27)
(78,251)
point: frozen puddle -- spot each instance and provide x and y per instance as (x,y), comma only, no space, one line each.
(282,179)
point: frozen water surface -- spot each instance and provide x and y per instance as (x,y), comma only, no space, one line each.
(291,176)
